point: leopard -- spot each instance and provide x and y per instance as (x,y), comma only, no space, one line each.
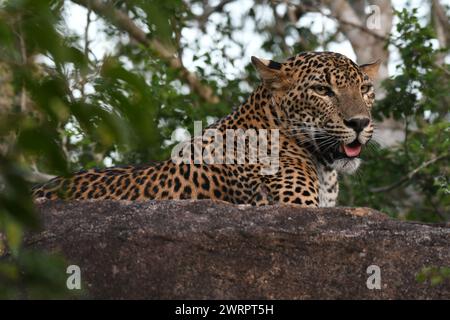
(318,103)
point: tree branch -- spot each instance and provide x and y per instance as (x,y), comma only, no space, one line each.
(410,175)
(356,25)
(123,22)
(442,28)
(351,19)
(35,176)
(442,23)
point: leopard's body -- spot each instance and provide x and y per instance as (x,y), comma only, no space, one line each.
(319,101)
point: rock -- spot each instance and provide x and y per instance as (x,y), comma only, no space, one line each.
(214,250)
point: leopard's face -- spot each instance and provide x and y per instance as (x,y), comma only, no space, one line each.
(325,101)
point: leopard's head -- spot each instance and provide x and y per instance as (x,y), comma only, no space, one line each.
(324,101)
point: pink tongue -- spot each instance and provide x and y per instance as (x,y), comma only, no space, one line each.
(352,151)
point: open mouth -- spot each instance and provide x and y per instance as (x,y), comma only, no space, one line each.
(351,150)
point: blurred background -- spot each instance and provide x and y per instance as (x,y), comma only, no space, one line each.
(92,83)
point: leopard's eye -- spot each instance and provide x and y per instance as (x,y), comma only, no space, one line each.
(365,88)
(323,90)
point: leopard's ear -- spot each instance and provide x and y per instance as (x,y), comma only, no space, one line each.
(270,73)
(371,69)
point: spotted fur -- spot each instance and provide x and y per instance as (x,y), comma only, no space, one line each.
(320,102)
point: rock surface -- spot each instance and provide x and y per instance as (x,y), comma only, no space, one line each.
(213,250)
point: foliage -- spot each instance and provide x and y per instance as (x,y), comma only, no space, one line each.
(62,108)
(435,275)
(50,122)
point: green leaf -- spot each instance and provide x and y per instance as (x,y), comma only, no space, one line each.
(14,234)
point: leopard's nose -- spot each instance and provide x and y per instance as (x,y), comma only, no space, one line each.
(357,124)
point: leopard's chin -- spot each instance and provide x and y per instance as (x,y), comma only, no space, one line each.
(346,165)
